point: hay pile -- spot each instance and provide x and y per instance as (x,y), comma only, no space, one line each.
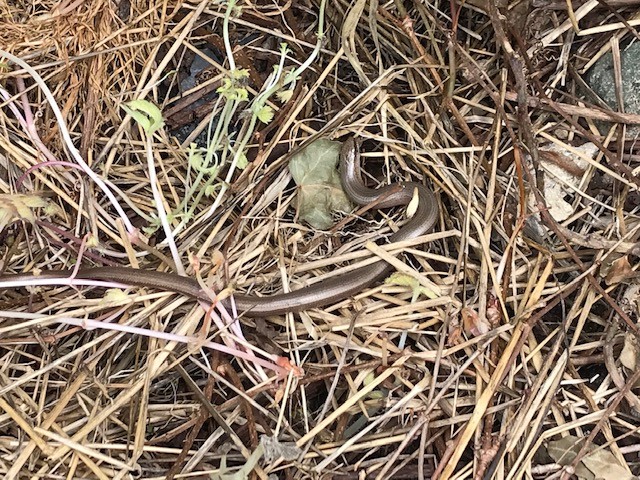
(510,333)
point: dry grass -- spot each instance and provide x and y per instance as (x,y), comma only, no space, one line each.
(518,343)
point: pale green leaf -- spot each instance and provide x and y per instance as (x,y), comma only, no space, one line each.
(320,192)
(210,190)
(24,212)
(265,114)
(148,116)
(92,241)
(234,86)
(114,295)
(242,161)
(19,207)
(232,93)
(240,74)
(370,377)
(195,156)
(31,201)
(284,95)
(149,230)
(52,209)
(404,280)
(198,162)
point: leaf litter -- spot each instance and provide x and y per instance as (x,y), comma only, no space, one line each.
(512,327)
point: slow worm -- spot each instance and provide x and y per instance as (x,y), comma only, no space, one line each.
(316,295)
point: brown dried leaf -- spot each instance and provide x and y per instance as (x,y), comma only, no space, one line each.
(473,324)
(620,270)
(605,466)
(455,332)
(630,353)
(601,464)
(564,451)
(494,315)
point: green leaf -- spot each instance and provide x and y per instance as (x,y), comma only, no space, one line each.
(148,116)
(284,95)
(239,74)
(405,280)
(233,86)
(149,230)
(19,207)
(114,295)
(195,156)
(210,190)
(369,378)
(320,192)
(233,93)
(265,114)
(197,161)
(242,161)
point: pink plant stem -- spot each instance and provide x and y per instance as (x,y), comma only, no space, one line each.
(50,163)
